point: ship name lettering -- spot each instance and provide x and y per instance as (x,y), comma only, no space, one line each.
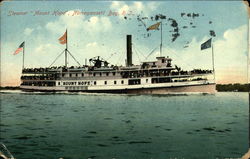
(69,83)
(80,83)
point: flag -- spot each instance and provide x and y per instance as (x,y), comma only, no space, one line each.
(154,27)
(63,39)
(206,44)
(19,49)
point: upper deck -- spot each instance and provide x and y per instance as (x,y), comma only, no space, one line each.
(162,67)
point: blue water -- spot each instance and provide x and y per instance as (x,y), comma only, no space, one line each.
(106,126)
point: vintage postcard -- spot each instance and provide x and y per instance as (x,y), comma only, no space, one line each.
(124,79)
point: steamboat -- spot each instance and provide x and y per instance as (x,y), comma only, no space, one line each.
(150,77)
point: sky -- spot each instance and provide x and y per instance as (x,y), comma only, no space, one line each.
(99,28)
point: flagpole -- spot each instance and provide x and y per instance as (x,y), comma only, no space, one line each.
(161,40)
(66,39)
(66,49)
(23,54)
(213,59)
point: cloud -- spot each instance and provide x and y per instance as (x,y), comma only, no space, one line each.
(81,31)
(230,56)
(28,31)
(93,44)
(116,4)
(41,49)
(65,21)
(79,23)
(97,24)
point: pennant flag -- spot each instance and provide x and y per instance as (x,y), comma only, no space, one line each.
(19,49)
(154,27)
(63,39)
(206,44)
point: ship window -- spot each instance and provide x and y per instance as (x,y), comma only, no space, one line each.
(107,74)
(94,82)
(93,74)
(100,74)
(162,60)
(63,74)
(105,82)
(134,81)
(76,74)
(146,80)
(122,82)
(161,80)
(82,74)
(113,73)
(70,75)
(59,83)
(88,83)
(114,82)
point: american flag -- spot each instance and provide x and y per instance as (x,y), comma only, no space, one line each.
(19,49)
(206,44)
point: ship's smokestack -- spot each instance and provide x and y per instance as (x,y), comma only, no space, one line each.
(129,50)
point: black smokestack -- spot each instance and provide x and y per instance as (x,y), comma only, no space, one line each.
(129,50)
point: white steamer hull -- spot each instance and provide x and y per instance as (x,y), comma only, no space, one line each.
(134,89)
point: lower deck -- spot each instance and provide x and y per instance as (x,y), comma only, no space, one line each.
(156,88)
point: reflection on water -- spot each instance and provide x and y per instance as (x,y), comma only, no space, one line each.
(106,126)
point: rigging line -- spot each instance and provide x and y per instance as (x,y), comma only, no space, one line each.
(151,52)
(119,59)
(139,51)
(142,22)
(57,58)
(181,59)
(123,56)
(112,55)
(74,58)
(138,56)
(115,53)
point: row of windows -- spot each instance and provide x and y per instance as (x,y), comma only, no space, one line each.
(94,74)
(107,74)
(38,84)
(88,83)
(105,82)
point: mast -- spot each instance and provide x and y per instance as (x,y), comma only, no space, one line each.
(64,40)
(66,49)
(23,53)
(248,82)
(161,40)
(213,59)
(248,64)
